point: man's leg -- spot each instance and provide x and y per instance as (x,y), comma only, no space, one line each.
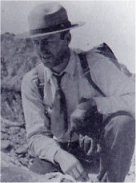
(117,148)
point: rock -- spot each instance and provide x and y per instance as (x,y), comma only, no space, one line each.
(12,153)
(14,174)
(14,130)
(5,145)
(20,155)
(21,150)
(13,171)
(7,160)
(22,131)
(22,141)
(3,129)
(53,177)
(15,139)
(9,123)
(24,161)
(4,136)
(3,125)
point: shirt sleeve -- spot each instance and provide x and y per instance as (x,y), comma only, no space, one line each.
(37,124)
(117,86)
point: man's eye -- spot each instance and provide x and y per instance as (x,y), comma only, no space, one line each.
(36,42)
(51,41)
(46,42)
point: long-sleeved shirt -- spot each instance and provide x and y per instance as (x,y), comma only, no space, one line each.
(117,86)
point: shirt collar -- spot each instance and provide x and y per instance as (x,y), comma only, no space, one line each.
(70,68)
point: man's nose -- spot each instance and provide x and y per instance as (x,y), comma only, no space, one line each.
(44,48)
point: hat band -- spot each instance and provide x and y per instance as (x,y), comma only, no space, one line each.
(51,29)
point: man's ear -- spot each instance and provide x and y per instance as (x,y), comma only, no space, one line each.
(68,37)
(35,43)
(36,46)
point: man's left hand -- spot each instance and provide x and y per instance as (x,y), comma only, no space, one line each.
(87,144)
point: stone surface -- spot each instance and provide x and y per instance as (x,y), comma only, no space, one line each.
(14,174)
(4,136)
(14,130)
(21,150)
(5,145)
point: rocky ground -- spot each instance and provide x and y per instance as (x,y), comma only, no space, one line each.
(15,160)
(13,171)
(15,157)
(17,57)
(13,141)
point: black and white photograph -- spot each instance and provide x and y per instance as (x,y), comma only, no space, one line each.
(67,91)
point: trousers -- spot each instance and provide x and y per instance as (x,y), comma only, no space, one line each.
(117,147)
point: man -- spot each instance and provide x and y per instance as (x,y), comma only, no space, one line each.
(52,93)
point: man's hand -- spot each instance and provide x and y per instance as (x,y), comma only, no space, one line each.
(70,165)
(87,144)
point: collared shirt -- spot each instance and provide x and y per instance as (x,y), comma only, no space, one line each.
(118,87)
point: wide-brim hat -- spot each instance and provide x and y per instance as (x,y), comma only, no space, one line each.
(46,19)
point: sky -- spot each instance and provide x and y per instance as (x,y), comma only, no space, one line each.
(106,21)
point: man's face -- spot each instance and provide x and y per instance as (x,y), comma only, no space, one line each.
(51,49)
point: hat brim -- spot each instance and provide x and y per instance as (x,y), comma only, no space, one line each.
(28,35)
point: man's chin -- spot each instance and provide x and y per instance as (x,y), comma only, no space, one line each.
(48,64)
(47,61)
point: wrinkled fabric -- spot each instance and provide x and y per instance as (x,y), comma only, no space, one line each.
(118,87)
(117,148)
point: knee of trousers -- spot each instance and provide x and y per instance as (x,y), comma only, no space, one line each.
(124,125)
(124,122)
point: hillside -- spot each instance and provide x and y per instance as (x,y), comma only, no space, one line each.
(17,58)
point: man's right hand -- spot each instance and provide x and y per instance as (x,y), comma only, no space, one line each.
(70,165)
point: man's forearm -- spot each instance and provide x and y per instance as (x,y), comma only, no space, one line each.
(44,147)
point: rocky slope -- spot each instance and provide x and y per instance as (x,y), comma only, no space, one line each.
(17,57)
